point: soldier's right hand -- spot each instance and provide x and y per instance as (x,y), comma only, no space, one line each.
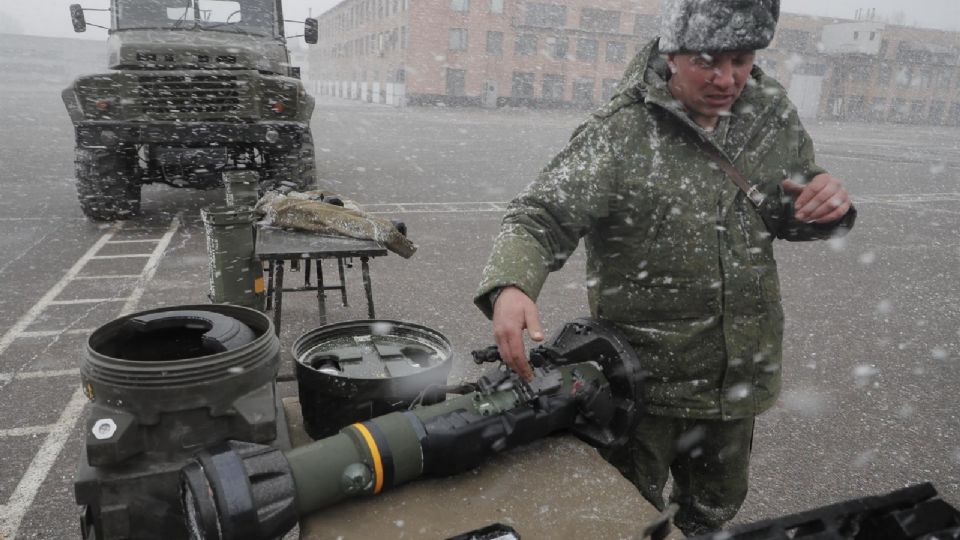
(513,313)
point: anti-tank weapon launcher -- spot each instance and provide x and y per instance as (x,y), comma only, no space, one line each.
(586,380)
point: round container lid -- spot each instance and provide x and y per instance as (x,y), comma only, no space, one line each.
(372,349)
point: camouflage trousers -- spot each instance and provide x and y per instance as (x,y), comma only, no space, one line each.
(709,461)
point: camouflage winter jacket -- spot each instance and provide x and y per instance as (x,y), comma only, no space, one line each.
(677,257)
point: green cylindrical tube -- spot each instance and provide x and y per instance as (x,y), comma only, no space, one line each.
(368,457)
(236,276)
(364,458)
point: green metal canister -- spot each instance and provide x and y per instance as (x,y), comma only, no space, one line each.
(236,275)
(241,188)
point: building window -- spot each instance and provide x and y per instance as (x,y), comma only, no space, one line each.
(884,75)
(587,49)
(404,37)
(546,15)
(600,20)
(856,36)
(609,88)
(878,106)
(460,5)
(458,39)
(873,35)
(557,47)
(942,79)
(768,65)
(936,112)
(616,52)
(858,72)
(898,110)
(522,87)
(495,42)
(916,111)
(456,82)
(526,44)
(496,6)
(645,25)
(855,107)
(583,91)
(954,118)
(793,40)
(903,77)
(811,69)
(553,87)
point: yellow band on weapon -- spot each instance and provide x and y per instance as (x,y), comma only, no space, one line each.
(375,453)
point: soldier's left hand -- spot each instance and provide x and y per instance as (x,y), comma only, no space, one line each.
(822,200)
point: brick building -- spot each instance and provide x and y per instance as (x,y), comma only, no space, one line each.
(867,71)
(480,52)
(515,52)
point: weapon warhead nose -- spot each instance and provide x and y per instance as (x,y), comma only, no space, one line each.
(238,490)
(196,497)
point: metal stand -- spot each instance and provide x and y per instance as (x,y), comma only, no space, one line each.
(276,246)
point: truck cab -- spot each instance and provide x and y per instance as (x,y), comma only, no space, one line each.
(193,88)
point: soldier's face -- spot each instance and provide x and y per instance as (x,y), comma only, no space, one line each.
(708,84)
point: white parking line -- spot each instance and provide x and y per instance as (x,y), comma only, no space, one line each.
(150,268)
(435,207)
(135,241)
(107,276)
(53,333)
(12,513)
(31,315)
(500,206)
(899,198)
(26,431)
(86,301)
(46,374)
(73,372)
(124,256)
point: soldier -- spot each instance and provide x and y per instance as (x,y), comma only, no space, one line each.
(679,185)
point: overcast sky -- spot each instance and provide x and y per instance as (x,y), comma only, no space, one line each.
(52,18)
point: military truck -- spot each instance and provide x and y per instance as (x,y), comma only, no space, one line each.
(194,88)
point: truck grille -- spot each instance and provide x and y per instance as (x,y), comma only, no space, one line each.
(198,96)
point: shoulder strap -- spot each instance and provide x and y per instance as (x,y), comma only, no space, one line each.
(754,194)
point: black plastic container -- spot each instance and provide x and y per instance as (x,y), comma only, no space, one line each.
(353,371)
(164,384)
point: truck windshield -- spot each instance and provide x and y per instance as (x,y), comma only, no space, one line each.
(244,16)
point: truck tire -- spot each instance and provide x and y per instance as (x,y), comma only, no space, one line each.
(297,166)
(307,173)
(107,183)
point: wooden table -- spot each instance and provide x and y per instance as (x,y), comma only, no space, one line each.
(276,246)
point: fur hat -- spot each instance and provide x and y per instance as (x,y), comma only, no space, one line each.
(717,25)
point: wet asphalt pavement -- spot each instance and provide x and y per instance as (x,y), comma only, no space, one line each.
(872,348)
